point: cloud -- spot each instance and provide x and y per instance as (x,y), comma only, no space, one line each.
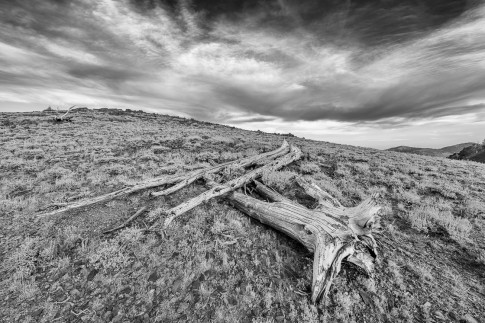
(249,62)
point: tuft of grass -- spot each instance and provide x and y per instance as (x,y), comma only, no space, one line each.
(429,218)
(309,168)
(278,180)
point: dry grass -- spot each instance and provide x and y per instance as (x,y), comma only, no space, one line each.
(216,264)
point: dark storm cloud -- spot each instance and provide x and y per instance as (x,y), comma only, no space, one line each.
(249,61)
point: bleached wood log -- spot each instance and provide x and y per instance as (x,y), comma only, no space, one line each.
(294,154)
(328,237)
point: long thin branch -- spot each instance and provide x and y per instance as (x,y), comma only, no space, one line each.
(131,219)
(116,194)
(312,189)
(294,154)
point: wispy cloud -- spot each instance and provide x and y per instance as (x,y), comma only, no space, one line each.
(244,62)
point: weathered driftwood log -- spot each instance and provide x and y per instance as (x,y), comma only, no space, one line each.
(332,236)
(294,154)
(332,233)
(186,179)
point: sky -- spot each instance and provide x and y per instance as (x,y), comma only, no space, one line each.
(378,73)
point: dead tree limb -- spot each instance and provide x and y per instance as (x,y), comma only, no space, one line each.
(311,188)
(63,117)
(246,162)
(131,219)
(294,154)
(165,180)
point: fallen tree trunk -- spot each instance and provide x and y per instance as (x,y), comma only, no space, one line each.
(332,237)
(184,180)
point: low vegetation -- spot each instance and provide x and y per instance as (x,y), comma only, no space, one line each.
(218,264)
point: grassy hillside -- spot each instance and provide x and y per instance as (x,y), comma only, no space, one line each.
(439,152)
(216,264)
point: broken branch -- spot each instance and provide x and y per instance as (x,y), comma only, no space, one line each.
(246,162)
(131,219)
(294,154)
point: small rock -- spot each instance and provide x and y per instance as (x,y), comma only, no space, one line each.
(452,316)
(366,297)
(38,312)
(153,277)
(427,304)
(126,290)
(468,319)
(92,274)
(159,149)
(195,285)
(232,300)
(280,318)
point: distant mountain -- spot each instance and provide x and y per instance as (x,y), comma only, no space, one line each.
(441,152)
(476,152)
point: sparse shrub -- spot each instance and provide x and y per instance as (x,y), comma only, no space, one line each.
(109,256)
(458,228)
(447,189)
(229,156)
(278,180)
(70,236)
(33,153)
(471,208)
(21,264)
(309,168)
(426,218)
(130,236)
(54,173)
(115,169)
(206,156)
(409,197)
(67,183)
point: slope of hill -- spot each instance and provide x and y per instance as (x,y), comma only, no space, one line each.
(440,152)
(476,152)
(215,264)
